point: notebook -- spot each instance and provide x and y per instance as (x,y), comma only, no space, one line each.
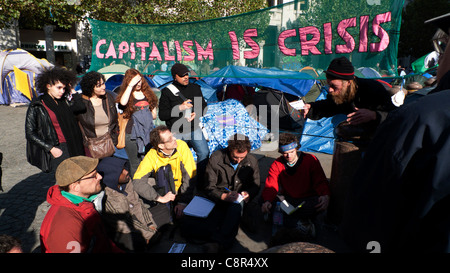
(199,207)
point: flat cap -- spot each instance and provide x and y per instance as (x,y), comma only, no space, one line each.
(74,168)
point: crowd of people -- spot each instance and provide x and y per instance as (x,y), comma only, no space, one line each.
(107,203)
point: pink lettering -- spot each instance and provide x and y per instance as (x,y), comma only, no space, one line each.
(133,51)
(155,53)
(309,45)
(234,45)
(178,49)
(167,55)
(123,48)
(203,54)
(363,30)
(143,46)
(97,49)
(328,36)
(254,45)
(111,51)
(187,47)
(342,31)
(380,32)
(283,36)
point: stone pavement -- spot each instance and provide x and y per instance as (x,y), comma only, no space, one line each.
(23,201)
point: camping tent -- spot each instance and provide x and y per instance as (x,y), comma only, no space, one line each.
(294,83)
(112,70)
(209,93)
(226,118)
(276,87)
(24,61)
(369,72)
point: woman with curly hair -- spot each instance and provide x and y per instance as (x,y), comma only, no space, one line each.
(139,104)
(51,128)
(100,117)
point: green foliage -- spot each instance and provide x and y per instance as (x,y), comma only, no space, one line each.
(63,13)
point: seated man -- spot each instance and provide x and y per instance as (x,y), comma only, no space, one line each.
(72,223)
(231,174)
(128,221)
(171,168)
(296,177)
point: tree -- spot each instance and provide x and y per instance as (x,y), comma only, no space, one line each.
(63,14)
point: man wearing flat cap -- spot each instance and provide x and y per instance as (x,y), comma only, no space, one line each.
(72,223)
(365,101)
(181,105)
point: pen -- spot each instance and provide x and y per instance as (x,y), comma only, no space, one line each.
(299,206)
(227,188)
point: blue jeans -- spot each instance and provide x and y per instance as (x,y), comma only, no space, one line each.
(198,143)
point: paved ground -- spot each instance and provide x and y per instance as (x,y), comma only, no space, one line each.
(23,205)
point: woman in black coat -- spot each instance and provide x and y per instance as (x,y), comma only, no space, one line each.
(51,128)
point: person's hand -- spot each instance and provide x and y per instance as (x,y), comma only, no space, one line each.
(323,203)
(361,116)
(230,196)
(305,110)
(185,105)
(56,152)
(134,81)
(178,210)
(166,198)
(266,207)
(191,118)
(245,196)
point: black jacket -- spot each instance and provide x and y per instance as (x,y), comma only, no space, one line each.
(86,118)
(220,175)
(400,194)
(370,95)
(168,101)
(40,134)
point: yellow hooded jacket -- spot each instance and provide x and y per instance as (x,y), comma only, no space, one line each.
(181,160)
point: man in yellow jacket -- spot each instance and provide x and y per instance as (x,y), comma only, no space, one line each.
(156,182)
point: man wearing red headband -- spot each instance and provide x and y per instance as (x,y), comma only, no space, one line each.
(365,101)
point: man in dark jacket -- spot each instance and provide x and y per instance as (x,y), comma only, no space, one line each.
(181,105)
(399,198)
(232,181)
(365,101)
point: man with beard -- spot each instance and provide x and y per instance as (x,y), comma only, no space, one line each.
(365,101)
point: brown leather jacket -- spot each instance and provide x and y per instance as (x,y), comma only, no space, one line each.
(86,118)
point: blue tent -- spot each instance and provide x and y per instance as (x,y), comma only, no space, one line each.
(318,135)
(294,83)
(209,93)
(10,92)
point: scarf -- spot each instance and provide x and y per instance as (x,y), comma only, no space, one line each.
(69,126)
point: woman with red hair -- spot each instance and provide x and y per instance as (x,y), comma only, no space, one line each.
(139,104)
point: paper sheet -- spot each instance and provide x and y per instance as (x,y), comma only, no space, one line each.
(298,104)
(199,207)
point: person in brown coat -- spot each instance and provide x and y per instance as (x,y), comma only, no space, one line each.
(128,221)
